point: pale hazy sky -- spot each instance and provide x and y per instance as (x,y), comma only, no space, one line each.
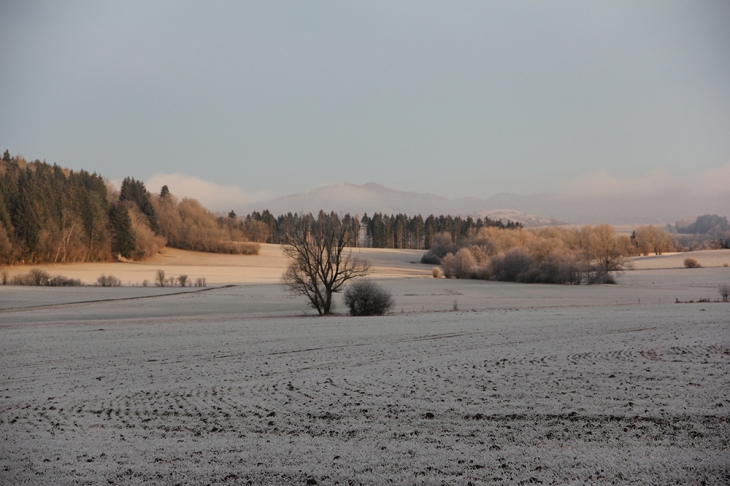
(454,98)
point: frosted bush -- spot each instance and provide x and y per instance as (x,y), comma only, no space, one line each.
(366,298)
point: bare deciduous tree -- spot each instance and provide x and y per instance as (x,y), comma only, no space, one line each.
(321,263)
(605,250)
(724,291)
(160,279)
(650,239)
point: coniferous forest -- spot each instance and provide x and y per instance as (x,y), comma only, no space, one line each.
(48,214)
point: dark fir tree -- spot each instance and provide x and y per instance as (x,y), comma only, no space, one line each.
(135,191)
(122,235)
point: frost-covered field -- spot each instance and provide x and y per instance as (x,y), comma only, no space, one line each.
(234,385)
(626,394)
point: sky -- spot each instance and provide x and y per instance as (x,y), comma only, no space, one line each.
(252,100)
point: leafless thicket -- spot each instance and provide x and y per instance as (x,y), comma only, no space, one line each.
(550,255)
(162,280)
(39,278)
(108,281)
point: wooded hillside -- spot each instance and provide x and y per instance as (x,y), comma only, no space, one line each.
(49,214)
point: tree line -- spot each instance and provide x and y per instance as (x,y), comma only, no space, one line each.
(380,230)
(52,214)
(707,232)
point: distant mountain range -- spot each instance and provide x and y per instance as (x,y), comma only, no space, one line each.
(531,210)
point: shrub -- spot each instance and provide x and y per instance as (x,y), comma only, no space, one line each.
(462,262)
(430,258)
(366,298)
(442,245)
(108,281)
(61,281)
(436,272)
(691,263)
(231,248)
(479,272)
(21,279)
(201,282)
(35,277)
(480,254)
(594,277)
(447,262)
(38,276)
(249,248)
(724,291)
(512,266)
(183,280)
(160,280)
(4,277)
(570,271)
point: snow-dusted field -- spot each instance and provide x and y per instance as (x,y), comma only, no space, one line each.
(235,385)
